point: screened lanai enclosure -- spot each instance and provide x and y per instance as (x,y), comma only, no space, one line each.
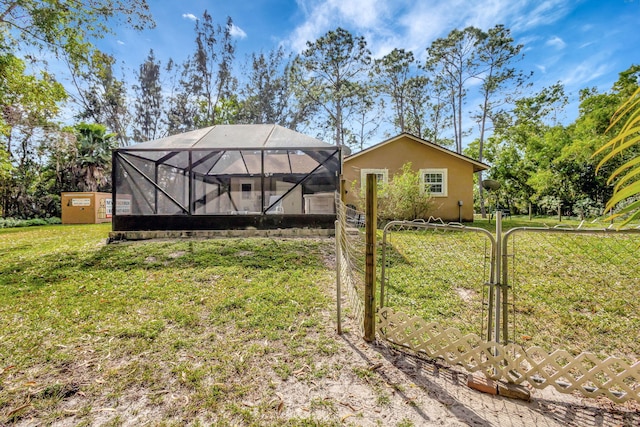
(226,177)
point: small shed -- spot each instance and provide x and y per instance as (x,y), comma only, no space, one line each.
(226,177)
(86,207)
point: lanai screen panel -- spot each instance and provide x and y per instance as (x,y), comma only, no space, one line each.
(151,183)
(225,170)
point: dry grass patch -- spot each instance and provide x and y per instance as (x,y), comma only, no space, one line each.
(188,331)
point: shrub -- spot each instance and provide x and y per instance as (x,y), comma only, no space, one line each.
(13,222)
(404,197)
(8,222)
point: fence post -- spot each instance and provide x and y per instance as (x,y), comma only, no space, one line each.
(498,275)
(338,278)
(504,283)
(371,219)
(340,227)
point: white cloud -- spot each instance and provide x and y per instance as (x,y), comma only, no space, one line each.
(120,42)
(545,13)
(360,16)
(583,73)
(189,16)
(414,25)
(237,32)
(362,13)
(556,42)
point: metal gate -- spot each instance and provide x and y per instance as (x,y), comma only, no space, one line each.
(464,295)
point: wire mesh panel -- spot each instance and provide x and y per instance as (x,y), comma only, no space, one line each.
(557,308)
(438,273)
(576,289)
(350,251)
(577,300)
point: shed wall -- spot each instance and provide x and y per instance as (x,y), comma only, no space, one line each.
(86,207)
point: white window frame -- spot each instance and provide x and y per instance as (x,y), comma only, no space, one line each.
(440,171)
(365,172)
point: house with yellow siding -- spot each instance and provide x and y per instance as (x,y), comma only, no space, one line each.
(448,175)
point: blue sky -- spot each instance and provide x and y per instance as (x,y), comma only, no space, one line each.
(581,43)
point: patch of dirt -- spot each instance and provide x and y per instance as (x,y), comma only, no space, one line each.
(467,295)
(177,254)
(402,389)
(381,385)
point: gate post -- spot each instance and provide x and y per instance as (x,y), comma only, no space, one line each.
(498,276)
(371,220)
(338,238)
(340,225)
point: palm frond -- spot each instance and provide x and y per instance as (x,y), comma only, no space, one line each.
(627,186)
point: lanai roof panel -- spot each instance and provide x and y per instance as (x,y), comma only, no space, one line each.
(234,137)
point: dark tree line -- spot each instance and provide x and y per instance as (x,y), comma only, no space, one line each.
(333,89)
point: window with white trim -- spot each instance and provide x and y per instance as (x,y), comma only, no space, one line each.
(382,175)
(435,180)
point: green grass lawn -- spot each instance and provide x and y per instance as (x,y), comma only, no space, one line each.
(191,329)
(202,332)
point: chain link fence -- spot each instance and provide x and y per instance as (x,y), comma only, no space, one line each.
(438,272)
(578,290)
(350,262)
(547,307)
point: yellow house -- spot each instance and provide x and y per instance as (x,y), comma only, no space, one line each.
(448,174)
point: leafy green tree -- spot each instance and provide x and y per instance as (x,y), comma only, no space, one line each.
(61,153)
(28,105)
(496,55)
(227,111)
(181,108)
(365,116)
(592,129)
(268,95)
(209,69)
(204,79)
(67,27)
(326,73)
(392,74)
(103,97)
(520,151)
(550,176)
(430,102)
(418,105)
(27,102)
